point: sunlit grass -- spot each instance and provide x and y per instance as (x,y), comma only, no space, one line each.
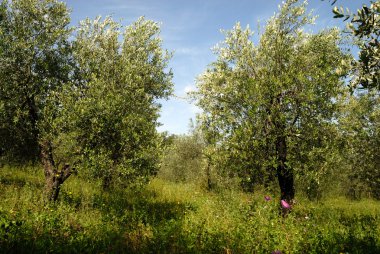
(167,217)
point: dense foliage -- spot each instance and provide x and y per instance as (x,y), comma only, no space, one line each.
(114,116)
(268,109)
(89,103)
(183,159)
(360,128)
(35,58)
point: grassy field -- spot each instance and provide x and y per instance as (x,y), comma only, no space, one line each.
(168,217)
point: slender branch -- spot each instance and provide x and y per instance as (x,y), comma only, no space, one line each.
(66,172)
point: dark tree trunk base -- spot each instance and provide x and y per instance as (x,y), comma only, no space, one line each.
(54,177)
(285,174)
(286,182)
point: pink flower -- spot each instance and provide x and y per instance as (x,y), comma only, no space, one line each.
(285,204)
(277,252)
(267,198)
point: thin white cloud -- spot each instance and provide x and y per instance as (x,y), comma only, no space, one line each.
(189,88)
(135,6)
(188,51)
(132,7)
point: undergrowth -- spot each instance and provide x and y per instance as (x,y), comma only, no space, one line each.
(167,217)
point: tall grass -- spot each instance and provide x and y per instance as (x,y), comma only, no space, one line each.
(167,217)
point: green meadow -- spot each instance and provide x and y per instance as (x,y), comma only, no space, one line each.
(167,217)
(282,156)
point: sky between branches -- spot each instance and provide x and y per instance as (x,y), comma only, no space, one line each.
(189,29)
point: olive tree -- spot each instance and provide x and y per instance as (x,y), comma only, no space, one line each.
(360,132)
(35,66)
(89,101)
(113,115)
(268,108)
(182,160)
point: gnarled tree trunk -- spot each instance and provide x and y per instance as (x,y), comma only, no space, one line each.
(54,177)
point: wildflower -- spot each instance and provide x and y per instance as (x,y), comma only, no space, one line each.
(285,204)
(267,198)
(277,252)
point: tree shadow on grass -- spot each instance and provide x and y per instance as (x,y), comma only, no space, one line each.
(140,206)
(19,182)
(356,234)
(339,243)
(19,177)
(130,222)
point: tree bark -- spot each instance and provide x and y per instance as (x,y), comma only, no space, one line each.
(285,174)
(54,178)
(208,176)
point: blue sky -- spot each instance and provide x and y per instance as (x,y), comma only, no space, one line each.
(190,28)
